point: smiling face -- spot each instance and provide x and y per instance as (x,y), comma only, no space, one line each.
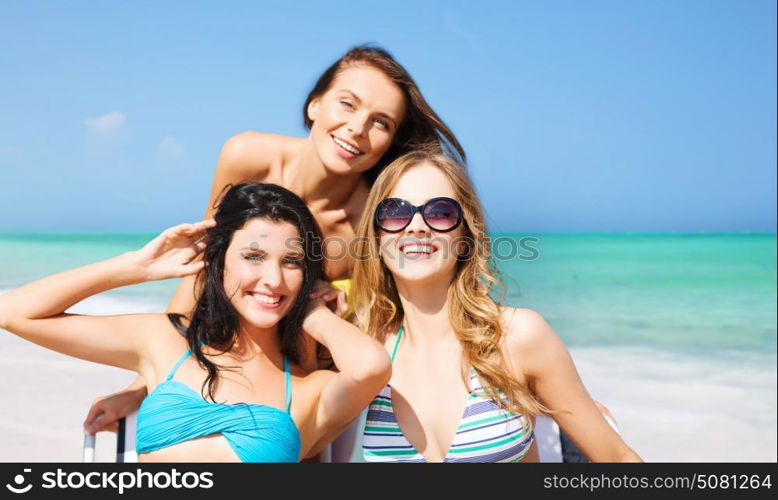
(419,254)
(263,271)
(355,120)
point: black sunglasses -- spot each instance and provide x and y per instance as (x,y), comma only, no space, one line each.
(440,214)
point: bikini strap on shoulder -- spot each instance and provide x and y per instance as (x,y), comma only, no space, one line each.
(397,343)
(288,379)
(178,364)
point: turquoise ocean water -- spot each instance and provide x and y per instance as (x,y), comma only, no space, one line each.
(696,294)
(708,294)
(648,317)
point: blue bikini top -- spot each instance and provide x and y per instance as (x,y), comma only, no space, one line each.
(174,413)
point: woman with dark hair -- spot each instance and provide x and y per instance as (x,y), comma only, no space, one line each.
(363,112)
(226,383)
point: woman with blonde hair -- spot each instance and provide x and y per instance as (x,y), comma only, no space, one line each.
(469,376)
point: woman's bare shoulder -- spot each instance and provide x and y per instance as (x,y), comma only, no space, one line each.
(256,150)
(527,332)
(251,139)
(521,322)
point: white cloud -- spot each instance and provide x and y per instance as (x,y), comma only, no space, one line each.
(170,151)
(112,123)
(105,137)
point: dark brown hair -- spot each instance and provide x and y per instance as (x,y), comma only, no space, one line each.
(421,125)
(215,322)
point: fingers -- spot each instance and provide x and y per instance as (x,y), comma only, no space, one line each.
(342,305)
(198,227)
(99,419)
(324,293)
(324,290)
(191,229)
(104,422)
(199,245)
(112,427)
(89,421)
(175,231)
(318,288)
(193,268)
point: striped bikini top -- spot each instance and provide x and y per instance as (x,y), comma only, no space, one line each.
(486,432)
(174,413)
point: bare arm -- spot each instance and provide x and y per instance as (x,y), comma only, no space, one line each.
(363,369)
(107,410)
(35,311)
(544,360)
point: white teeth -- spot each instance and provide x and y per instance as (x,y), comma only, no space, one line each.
(347,146)
(425,249)
(265,299)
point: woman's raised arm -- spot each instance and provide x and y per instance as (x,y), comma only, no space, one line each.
(363,368)
(36,312)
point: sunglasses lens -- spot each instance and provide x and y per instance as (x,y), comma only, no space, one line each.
(393,215)
(442,215)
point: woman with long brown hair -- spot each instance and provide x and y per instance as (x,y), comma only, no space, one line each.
(469,376)
(363,112)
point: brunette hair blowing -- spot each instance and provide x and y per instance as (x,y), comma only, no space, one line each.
(421,124)
(215,322)
(474,315)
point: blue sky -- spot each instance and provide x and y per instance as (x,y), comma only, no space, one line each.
(576,116)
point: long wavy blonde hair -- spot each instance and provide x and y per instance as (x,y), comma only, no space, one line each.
(474,315)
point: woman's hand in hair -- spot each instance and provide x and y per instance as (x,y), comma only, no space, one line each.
(172,254)
(325,302)
(324,295)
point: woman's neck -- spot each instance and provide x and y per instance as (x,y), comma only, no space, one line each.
(426,311)
(253,341)
(319,188)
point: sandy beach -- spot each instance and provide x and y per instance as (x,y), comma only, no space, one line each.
(682,413)
(677,408)
(45,405)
